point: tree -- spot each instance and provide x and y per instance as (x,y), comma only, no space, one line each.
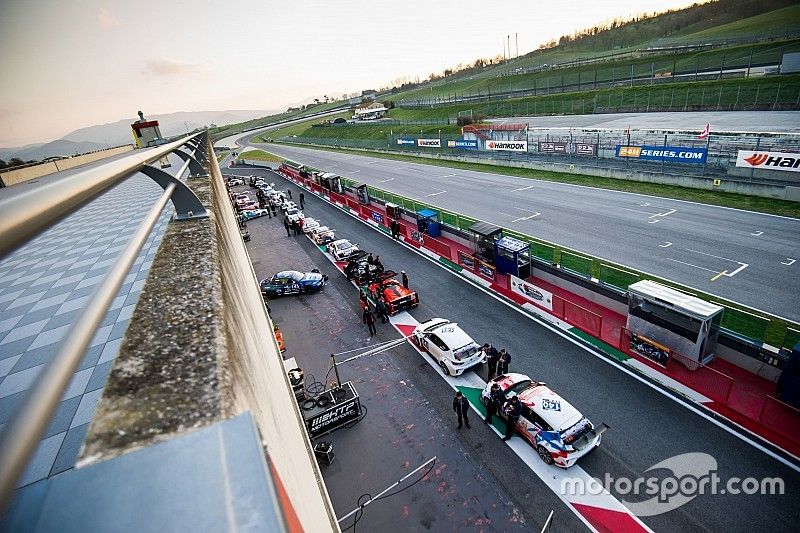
(15,162)
(3,164)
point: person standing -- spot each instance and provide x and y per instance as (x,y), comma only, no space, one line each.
(383,312)
(364,303)
(461,407)
(496,399)
(370,318)
(503,361)
(286,225)
(404,278)
(289,193)
(302,200)
(378,265)
(492,356)
(273,207)
(513,412)
(296,228)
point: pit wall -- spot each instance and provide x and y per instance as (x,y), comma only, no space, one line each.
(20,175)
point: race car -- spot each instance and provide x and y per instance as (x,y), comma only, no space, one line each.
(294,214)
(322,235)
(558,431)
(309,224)
(341,249)
(252,205)
(292,282)
(396,296)
(445,341)
(254,213)
(232,182)
(242,199)
(359,269)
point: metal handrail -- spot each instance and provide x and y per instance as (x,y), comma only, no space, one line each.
(22,433)
(28,211)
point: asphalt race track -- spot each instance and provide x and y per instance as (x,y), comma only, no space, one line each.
(747,257)
(647,426)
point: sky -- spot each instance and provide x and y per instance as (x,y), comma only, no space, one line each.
(77,63)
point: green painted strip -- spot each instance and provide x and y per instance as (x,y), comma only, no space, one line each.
(610,350)
(449,264)
(474,397)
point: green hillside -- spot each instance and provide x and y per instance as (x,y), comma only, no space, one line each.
(779,22)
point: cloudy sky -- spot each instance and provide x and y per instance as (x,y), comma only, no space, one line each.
(75,63)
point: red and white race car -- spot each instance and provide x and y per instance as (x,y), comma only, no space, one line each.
(558,431)
(397,297)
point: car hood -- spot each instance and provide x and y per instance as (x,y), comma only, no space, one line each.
(311,277)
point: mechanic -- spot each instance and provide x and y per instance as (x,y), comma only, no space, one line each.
(396,229)
(349,269)
(364,303)
(461,407)
(502,362)
(289,193)
(370,259)
(295,228)
(492,355)
(370,319)
(302,200)
(404,278)
(286,225)
(273,207)
(496,400)
(380,308)
(378,265)
(513,411)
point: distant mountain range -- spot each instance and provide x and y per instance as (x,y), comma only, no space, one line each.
(116,133)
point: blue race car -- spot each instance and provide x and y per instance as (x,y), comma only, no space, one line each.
(293,282)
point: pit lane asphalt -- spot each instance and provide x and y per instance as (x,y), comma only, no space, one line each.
(646,427)
(690,245)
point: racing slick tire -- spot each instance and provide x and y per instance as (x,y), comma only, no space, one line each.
(544,454)
(444,368)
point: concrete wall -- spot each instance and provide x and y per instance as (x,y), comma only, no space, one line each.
(12,177)
(200,349)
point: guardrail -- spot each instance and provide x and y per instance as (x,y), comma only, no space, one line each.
(31,210)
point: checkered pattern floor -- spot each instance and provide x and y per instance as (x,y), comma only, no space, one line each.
(45,285)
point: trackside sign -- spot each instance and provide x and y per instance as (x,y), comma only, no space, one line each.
(769,160)
(507,146)
(429,143)
(673,154)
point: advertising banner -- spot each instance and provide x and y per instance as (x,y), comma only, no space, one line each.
(553,148)
(585,149)
(670,154)
(785,161)
(429,143)
(532,292)
(406,141)
(377,217)
(507,146)
(467,261)
(463,144)
(486,270)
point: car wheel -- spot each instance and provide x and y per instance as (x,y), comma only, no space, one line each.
(544,454)
(444,368)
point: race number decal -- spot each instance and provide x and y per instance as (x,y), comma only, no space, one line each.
(551,405)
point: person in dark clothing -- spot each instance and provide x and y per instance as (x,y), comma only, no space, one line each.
(273,208)
(289,193)
(495,403)
(286,225)
(269,213)
(404,278)
(513,410)
(364,303)
(383,312)
(370,318)
(395,229)
(302,200)
(492,355)
(370,259)
(350,269)
(378,264)
(295,228)
(503,361)
(461,407)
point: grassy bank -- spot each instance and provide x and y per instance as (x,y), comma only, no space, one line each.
(260,155)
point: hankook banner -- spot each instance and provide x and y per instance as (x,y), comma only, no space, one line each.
(429,143)
(786,161)
(507,146)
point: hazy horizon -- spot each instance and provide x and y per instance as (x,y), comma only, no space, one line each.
(71,65)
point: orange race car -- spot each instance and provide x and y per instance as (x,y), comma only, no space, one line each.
(396,296)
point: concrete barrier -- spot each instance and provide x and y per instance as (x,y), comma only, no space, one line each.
(20,175)
(200,349)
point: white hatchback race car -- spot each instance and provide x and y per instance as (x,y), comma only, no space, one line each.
(558,431)
(309,224)
(294,214)
(453,349)
(341,249)
(323,235)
